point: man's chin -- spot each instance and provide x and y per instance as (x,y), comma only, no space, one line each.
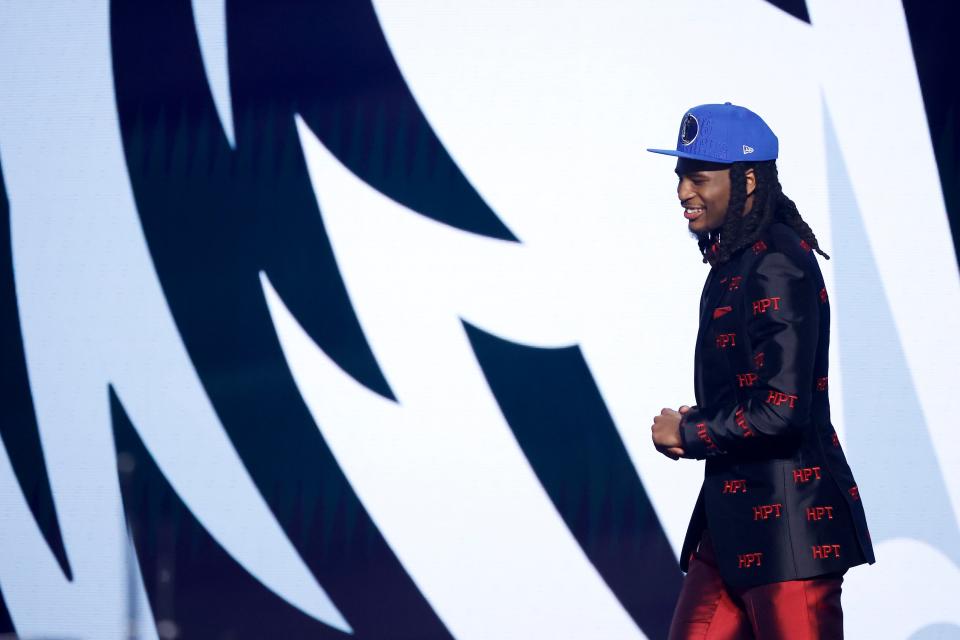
(697,231)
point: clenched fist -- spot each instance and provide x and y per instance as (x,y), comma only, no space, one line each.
(665,432)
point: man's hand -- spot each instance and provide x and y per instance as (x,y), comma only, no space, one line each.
(665,432)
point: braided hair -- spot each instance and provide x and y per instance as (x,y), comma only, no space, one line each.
(770,205)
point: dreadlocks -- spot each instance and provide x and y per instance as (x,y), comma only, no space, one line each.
(769,205)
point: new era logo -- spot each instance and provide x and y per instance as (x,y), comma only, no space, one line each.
(747,149)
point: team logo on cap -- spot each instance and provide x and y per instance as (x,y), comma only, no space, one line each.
(689,129)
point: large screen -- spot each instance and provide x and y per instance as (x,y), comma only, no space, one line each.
(350,319)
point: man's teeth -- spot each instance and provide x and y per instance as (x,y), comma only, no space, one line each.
(694,209)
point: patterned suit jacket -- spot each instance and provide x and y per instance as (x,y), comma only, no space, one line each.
(778,495)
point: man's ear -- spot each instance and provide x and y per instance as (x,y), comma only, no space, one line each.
(751,177)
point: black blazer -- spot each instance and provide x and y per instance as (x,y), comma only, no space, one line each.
(778,495)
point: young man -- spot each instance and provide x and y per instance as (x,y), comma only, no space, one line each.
(779,517)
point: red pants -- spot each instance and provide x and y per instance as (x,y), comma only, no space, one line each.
(796,610)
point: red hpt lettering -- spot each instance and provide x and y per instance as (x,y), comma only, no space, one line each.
(819,513)
(749,560)
(806,474)
(747,379)
(826,551)
(764,511)
(779,397)
(725,340)
(704,436)
(761,305)
(741,421)
(734,486)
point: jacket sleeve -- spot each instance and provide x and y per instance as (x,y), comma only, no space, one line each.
(782,321)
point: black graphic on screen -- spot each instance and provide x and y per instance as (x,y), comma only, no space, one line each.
(561,422)
(796,8)
(192,583)
(18,421)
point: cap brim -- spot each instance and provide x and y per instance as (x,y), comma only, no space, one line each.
(688,156)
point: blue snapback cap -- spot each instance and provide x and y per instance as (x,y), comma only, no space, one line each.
(723,133)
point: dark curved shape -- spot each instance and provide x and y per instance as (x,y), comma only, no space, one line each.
(6,624)
(796,8)
(932,27)
(558,416)
(214,217)
(190,580)
(18,422)
(330,62)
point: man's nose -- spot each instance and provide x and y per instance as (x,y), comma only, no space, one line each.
(684,192)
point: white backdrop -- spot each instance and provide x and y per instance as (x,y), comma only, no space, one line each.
(547,108)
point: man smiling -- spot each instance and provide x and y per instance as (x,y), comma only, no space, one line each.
(779,518)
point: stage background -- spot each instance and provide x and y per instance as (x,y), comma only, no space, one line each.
(344,319)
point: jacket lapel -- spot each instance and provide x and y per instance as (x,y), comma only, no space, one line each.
(712,292)
(739,265)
